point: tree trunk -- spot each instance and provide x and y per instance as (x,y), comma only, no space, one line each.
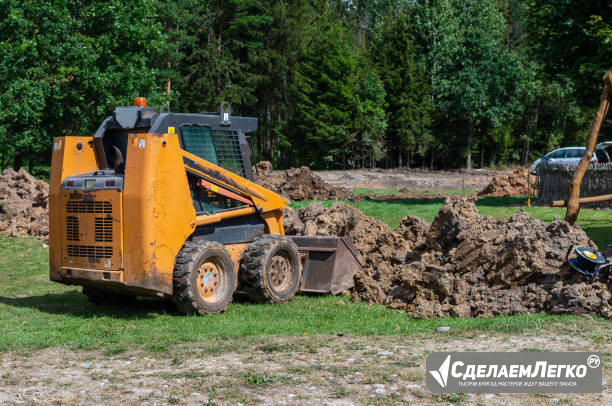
(399,160)
(267,132)
(431,160)
(482,149)
(468,162)
(17,161)
(525,156)
(573,204)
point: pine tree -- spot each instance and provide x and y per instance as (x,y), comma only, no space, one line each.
(408,95)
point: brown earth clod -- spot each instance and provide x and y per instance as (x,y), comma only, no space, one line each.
(462,264)
(297,183)
(510,185)
(23,205)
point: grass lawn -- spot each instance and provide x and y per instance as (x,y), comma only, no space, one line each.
(362,191)
(36,313)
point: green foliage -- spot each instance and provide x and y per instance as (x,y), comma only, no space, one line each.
(475,82)
(334,84)
(337,116)
(409,101)
(65,65)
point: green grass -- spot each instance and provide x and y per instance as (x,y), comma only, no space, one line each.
(362,191)
(596,223)
(36,313)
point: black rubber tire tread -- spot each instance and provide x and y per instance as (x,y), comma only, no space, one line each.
(253,267)
(189,259)
(106,297)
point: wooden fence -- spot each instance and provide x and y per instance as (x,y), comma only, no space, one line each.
(554,182)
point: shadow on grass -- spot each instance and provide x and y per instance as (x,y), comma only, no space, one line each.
(409,202)
(74,303)
(504,201)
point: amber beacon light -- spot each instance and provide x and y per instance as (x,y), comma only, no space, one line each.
(140,102)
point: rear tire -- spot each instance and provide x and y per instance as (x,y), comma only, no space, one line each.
(105,297)
(204,278)
(270,269)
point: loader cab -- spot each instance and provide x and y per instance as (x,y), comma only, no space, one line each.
(218,138)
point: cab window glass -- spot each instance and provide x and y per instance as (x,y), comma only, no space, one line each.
(555,154)
(198,140)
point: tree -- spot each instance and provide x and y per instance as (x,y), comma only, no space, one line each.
(408,94)
(66,65)
(475,81)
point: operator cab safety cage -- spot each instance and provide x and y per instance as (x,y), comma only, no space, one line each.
(218,138)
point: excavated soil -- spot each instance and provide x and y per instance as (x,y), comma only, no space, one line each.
(462,264)
(298,183)
(510,185)
(23,204)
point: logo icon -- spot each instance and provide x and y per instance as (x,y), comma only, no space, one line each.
(593,361)
(441,375)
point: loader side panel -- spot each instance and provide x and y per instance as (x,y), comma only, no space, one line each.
(70,156)
(158,210)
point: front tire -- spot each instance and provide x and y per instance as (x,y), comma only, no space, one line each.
(271,269)
(204,279)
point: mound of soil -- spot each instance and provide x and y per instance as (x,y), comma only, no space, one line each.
(514,184)
(23,204)
(462,264)
(298,184)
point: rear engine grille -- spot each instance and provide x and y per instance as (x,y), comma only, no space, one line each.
(88,251)
(103,229)
(80,206)
(72,228)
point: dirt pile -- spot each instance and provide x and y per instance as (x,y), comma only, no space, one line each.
(509,185)
(298,183)
(23,204)
(463,264)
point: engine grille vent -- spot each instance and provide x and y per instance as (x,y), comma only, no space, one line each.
(72,228)
(88,251)
(103,229)
(80,206)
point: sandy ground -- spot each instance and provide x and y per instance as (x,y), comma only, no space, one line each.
(410,178)
(333,370)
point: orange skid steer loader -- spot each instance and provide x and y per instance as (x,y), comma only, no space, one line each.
(164,204)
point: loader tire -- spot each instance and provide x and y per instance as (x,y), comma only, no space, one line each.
(204,278)
(105,297)
(270,270)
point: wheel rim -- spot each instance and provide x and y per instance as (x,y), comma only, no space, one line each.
(280,272)
(210,280)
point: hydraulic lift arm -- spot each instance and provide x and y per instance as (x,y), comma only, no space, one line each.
(219,180)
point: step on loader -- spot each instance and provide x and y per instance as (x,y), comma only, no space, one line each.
(164,204)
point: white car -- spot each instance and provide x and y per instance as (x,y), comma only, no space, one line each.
(572,155)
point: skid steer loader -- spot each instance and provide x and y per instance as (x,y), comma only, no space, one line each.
(164,204)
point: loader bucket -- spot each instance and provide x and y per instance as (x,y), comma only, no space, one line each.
(329,263)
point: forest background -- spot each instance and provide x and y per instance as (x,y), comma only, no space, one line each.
(335,84)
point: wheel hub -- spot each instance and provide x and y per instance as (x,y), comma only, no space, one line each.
(279,272)
(208,280)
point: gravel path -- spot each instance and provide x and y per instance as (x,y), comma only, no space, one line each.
(334,370)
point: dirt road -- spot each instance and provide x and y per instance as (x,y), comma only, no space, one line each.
(410,178)
(334,370)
